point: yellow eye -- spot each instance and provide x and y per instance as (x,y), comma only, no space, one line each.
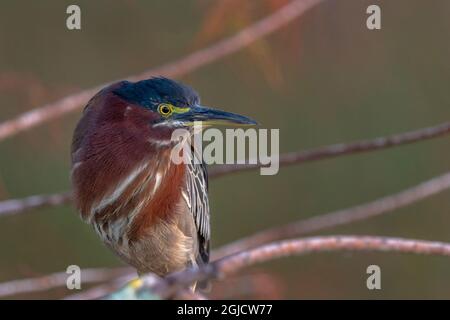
(165,109)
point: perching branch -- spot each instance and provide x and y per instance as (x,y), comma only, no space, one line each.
(177,282)
(169,286)
(340,217)
(321,222)
(177,68)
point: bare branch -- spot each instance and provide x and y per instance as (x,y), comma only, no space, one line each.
(340,217)
(178,68)
(177,282)
(10,207)
(59,279)
(329,220)
(341,149)
(168,286)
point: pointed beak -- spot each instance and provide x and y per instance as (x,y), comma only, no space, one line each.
(209,116)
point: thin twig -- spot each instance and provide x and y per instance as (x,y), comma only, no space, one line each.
(177,68)
(13,206)
(168,286)
(340,217)
(341,149)
(59,279)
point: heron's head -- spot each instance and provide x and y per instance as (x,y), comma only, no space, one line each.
(174,105)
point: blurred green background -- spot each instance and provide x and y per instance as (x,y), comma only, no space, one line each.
(324,78)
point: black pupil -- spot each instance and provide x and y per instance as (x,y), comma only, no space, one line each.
(165,109)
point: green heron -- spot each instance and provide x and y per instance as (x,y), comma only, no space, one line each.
(150,211)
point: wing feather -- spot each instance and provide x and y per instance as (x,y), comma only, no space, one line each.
(198,203)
